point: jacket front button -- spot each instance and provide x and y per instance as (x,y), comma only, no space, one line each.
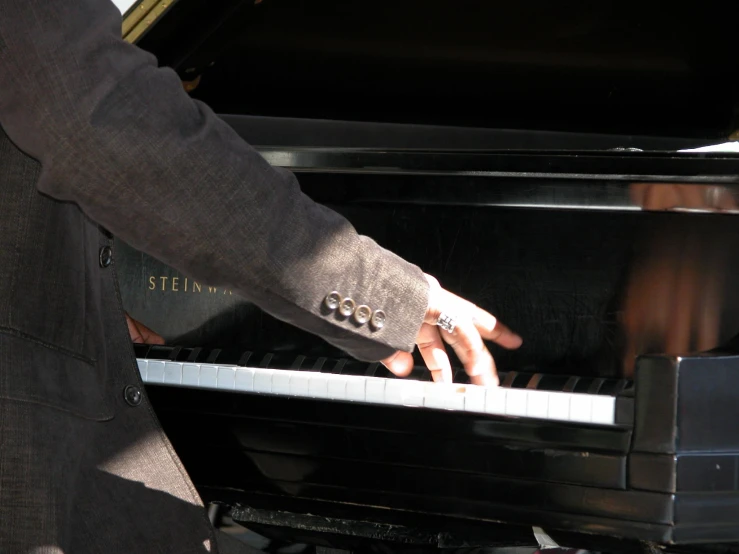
(106,256)
(132,395)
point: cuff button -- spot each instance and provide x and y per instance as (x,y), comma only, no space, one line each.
(378,319)
(347,307)
(332,301)
(363,314)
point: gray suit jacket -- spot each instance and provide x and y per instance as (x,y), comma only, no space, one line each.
(98,141)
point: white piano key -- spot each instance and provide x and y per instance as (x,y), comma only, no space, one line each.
(413,393)
(208,376)
(393,392)
(299,383)
(155,371)
(495,400)
(226,379)
(580,408)
(336,387)
(244,380)
(604,409)
(374,388)
(263,380)
(318,385)
(552,405)
(475,399)
(404,392)
(281,382)
(559,406)
(191,375)
(142,368)
(515,402)
(537,405)
(444,396)
(173,373)
(355,389)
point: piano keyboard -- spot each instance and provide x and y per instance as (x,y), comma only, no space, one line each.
(538,396)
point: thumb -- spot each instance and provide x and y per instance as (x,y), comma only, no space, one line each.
(400,363)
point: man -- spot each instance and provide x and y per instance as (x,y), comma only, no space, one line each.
(96,141)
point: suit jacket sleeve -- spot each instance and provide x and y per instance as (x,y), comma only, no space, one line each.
(118,135)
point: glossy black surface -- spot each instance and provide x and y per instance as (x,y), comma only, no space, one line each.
(591,274)
(192,34)
(621,67)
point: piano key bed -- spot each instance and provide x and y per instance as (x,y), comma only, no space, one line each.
(520,394)
(656,458)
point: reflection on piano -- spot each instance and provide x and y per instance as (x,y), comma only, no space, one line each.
(581,224)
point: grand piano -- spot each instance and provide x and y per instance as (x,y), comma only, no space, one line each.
(567,166)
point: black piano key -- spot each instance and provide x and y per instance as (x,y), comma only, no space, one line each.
(583,385)
(554,383)
(515,380)
(320,365)
(141,350)
(338,366)
(420,374)
(352,367)
(277,360)
(507,379)
(308,363)
(157,352)
(228,356)
(212,356)
(245,358)
(570,384)
(297,362)
(613,387)
(381,371)
(184,355)
(596,385)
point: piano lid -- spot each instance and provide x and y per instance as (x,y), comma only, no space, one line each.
(634,68)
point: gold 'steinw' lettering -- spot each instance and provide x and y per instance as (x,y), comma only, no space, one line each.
(167,283)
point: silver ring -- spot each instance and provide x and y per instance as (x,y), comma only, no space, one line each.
(446,322)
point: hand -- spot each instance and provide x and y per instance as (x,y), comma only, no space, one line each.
(472,326)
(682,196)
(140,333)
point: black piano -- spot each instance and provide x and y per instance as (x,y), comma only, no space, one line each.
(567,166)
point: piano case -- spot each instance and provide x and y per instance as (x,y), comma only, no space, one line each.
(539,159)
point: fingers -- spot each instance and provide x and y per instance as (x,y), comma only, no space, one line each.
(434,354)
(492,329)
(473,325)
(400,363)
(140,333)
(489,327)
(470,349)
